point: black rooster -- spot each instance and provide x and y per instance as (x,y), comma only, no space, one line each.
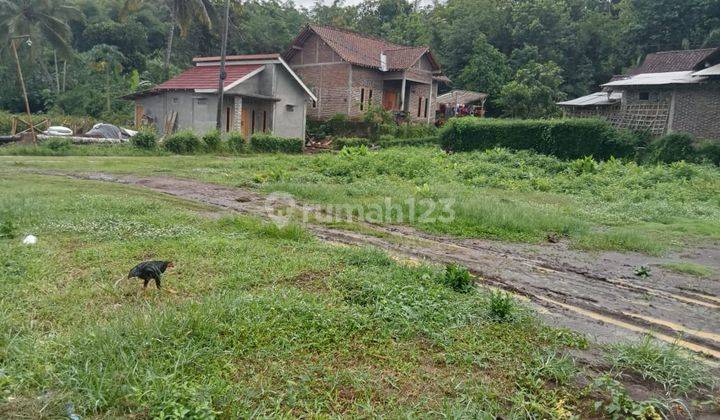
(150,270)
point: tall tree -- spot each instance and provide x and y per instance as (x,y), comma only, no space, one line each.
(44,20)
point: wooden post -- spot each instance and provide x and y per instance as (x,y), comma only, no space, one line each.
(22,84)
(223,75)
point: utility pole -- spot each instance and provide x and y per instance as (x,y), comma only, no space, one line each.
(22,83)
(223,75)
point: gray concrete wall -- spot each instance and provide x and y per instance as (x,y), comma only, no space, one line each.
(289,113)
(197,112)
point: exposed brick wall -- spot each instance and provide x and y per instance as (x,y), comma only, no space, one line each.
(329,82)
(419,93)
(367,80)
(697,110)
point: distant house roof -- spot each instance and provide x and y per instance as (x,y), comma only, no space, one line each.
(595,99)
(461,97)
(206,77)
(710,71)
(657,79)
(363,50)
(672,61)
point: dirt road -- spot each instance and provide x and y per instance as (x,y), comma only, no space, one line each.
(597,294)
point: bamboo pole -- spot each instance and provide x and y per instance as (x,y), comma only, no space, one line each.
(22,84)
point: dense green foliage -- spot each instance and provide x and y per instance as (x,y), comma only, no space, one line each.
(267,143)
(565,138)
(213,141)
(236,142)
(144,140)
(183,143)
(384,141)
(85,55)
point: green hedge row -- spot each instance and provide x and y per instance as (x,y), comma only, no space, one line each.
(187,142)
(267,143)
(564,138)
(384,141)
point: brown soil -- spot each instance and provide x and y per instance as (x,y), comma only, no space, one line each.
(596,293)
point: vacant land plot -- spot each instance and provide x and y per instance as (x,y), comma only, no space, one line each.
(262,320)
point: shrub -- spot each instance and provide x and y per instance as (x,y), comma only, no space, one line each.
(337,125)
(182,143)
(7,228)
(457,278)
(267,143)
(144,140)
(57,144)
(501,306)
(213,141)
(236,142)
(564,138)
(419,141)
(342,142)
(409,131)
(672,148)
(709,151)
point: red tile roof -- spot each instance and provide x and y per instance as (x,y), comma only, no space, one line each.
(363,50)
(669,61)
(246,57)
(206,77)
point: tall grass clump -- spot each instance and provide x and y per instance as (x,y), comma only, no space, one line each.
(268,143)
(213,141)
(146,140)
(457,278)
(667,365)
(183,143)
(236,142)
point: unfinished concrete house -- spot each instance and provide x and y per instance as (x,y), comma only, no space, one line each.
(348,72)
(262,94)
(672,91)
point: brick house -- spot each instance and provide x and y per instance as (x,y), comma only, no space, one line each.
(348,71)
(671,91)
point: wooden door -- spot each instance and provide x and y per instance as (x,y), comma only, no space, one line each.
(139,112)
(246,122)
(390,98)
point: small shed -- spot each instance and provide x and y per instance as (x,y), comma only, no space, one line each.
(261,94)
(462,102)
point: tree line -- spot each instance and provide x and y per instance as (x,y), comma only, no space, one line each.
(527,54)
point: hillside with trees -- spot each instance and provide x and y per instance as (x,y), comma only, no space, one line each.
(526,54)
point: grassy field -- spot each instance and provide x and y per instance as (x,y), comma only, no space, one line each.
(255,320)
(265,321)
(497,194)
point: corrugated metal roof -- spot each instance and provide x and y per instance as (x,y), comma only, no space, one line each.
(657,79)
(206,77)
(595,99)
(461,97)
(710,71)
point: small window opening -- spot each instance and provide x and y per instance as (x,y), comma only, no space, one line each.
(644,96)
(370,97)
(426,107)
(252,124)
(362,99)
(419,106)
(227,119)
(264,121)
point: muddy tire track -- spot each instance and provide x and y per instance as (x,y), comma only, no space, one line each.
(577,290)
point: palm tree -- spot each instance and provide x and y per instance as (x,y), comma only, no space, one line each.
(182,14)
(43,20)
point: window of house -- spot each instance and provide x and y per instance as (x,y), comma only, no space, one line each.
(369,97)
(252,124)
(420,99)
(362,99)
(264,121)
(425,113)
(644,96)
(314,105)
(228,115)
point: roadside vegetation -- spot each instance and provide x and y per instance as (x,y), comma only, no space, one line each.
(498,194)
(254,320)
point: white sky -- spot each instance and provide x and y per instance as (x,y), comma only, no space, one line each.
(308,3)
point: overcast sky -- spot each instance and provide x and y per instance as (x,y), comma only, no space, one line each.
(309,3)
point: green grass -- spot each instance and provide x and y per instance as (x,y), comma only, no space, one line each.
(255,320)
(495,194)
(667,365)
(693,269)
